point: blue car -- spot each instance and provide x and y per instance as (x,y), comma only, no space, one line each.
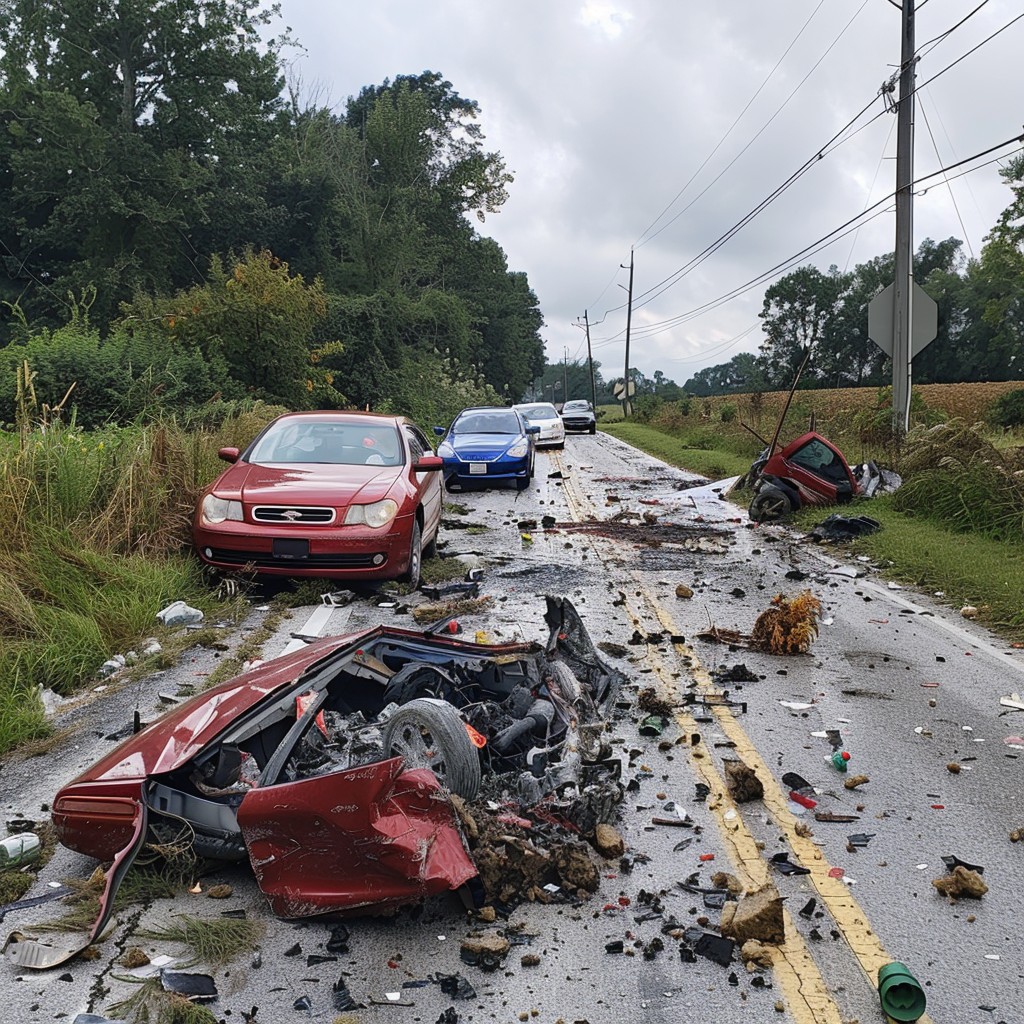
(483,446)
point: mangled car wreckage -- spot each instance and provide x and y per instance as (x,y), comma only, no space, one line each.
(810,471)
(333,769)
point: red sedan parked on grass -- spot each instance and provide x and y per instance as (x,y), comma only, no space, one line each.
(339,494)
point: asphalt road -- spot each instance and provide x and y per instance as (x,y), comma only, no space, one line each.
(912,687)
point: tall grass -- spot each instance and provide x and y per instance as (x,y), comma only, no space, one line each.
(96,541)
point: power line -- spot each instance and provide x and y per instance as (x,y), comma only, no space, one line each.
(973,49)
(938,156)
(949,31)
(729,131)
(761,131)
(835,235)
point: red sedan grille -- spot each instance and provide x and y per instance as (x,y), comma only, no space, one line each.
(292,514)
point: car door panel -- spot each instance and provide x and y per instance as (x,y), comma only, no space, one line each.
(374,835)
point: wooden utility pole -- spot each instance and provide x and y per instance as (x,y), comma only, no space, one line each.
(565,375)
(904,284)
(629,318)
(590,364)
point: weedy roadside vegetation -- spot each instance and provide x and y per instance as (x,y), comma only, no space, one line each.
(96,542)
(955,527)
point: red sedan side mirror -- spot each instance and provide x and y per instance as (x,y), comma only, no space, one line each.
(426,463)
(228,454)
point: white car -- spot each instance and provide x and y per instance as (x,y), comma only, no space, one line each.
(545,416)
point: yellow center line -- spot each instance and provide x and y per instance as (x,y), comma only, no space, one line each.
(796,971)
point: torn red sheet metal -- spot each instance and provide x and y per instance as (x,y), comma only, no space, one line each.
(35,954)
(394,830)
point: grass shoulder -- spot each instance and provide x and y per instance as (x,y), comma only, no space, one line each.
(695,454)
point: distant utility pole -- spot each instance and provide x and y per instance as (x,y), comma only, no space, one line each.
(565,374)
(629,318)
(904,283)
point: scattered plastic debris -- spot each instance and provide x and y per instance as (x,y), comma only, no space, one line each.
(179,614)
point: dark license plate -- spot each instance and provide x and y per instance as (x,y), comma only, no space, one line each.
(289,547)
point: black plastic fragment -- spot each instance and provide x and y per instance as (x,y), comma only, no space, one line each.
(295,950)
(200,988)
(807,911)
(455,986)
(955,862)
(614,947)
(341,998)
(793,781)
(449,1016)
(316,958)
(303,1003)
(338,942)
(860,839)
(716,948)
(785,866)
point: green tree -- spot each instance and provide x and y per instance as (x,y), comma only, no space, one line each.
(256,319)
(132,132)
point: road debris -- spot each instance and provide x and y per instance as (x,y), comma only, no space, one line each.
(758,915)
(742,782)
(788,626)
(961,882)
(855,781)
(178,613)
(900,993)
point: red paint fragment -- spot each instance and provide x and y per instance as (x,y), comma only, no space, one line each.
(803,801)
(624,901)
(938,807)
(836,872)
(707,856)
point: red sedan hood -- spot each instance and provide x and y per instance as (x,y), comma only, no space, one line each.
(184,731)
(320,484)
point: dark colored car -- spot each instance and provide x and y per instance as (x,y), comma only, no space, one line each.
(339,494)
(811,471)
(578,415)
(487,445)
(330,769)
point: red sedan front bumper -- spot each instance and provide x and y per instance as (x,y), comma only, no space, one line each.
(356,552)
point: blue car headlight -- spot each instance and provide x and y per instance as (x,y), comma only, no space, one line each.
(445,450)
(518,450)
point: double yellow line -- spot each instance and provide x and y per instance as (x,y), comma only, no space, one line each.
(796,972)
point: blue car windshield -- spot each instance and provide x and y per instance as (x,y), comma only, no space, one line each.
(487,421)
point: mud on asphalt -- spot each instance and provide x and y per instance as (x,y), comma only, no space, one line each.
(618,533)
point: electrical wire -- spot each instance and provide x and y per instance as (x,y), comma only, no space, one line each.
(973,49)
(938,156)
(760,131)
(932,43)
(878,168)
(729,130)
(835,235)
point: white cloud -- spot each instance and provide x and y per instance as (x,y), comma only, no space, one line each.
(605,17)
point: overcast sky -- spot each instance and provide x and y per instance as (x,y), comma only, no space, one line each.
(605,110)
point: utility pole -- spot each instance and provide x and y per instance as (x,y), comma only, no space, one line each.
(590,364)
(629,318)
(902,310)
(565,375)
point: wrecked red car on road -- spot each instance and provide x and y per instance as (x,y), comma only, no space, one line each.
(332,769)
(810,471)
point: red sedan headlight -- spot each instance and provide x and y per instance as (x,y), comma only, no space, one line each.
(379,514)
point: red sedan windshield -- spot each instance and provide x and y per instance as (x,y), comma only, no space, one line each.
(334,443)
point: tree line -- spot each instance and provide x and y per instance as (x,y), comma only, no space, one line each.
(178,222)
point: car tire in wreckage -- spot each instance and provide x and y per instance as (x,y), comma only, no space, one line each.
(430,733)
(770,503)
